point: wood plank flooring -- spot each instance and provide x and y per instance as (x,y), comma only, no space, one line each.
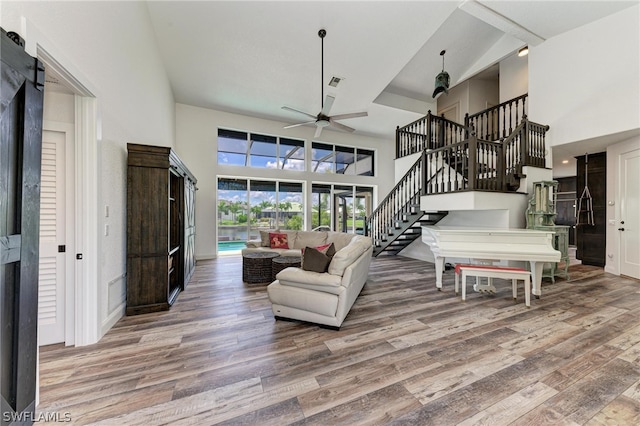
(406,355)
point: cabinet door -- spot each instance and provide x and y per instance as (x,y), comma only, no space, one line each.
(190,229)
(21,100)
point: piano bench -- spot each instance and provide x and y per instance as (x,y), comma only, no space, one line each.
(489,272)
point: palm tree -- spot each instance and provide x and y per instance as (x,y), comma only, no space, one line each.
(284,207)
(235,208)
(265,205)
(255,212)
(223,207)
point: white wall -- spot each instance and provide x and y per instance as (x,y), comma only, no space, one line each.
(482,95)
(111,50)
(584,83)
(514,78)
(197,144)
(457,95)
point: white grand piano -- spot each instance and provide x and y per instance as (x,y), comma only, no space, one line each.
(488,244)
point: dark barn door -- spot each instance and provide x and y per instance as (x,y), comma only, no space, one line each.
(21,103)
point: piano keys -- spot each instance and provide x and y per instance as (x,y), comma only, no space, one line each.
(491,245)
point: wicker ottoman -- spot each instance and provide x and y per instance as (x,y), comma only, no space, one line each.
(256,267)
(282,262)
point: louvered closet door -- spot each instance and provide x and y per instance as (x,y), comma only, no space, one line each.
(51,306)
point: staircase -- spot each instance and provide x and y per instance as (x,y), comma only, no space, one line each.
(455,158)
(405,230)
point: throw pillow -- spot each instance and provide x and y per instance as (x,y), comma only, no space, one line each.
(264,236)
(328,249)
(278,241)
(315,261)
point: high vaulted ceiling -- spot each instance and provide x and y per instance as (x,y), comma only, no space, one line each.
(253,57)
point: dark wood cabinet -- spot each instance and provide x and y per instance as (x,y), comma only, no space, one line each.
(160,228)
(591,238)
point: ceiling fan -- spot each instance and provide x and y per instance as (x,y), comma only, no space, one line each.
(323,119)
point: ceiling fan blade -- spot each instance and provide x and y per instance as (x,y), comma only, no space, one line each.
(299,124)
(351,115)
(298,111)
(328,102)
(318,131)
(341,126)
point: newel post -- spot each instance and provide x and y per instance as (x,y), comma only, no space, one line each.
(427,144)
(397,142)
(473,161)
(423,173)
(524,142)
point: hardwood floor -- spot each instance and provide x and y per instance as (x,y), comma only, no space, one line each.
(406,354)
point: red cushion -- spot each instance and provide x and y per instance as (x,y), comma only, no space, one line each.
(278,240)
(322,249)
(495,268)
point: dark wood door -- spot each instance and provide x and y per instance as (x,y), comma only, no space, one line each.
(21,104)
(591,238)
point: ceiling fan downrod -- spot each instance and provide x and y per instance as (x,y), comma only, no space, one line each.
(321,34)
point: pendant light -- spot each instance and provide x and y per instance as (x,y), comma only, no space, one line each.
(442,80)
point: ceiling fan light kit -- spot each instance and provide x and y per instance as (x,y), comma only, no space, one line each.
(323,119)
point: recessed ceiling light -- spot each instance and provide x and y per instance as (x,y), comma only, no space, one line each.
(565,161)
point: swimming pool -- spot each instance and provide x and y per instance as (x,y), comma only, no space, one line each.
(230,246)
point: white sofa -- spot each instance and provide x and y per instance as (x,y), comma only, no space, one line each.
(321,297)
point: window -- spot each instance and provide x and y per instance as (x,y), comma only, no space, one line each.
(291,154)
(321,158)
(232,148)
(262,199)
(263,152)
(260,151)
(320,205)
(290,202)
(364,163)
(345,160)
(341,160)
(273,152)
(343,208)
(232,210)
(247,205)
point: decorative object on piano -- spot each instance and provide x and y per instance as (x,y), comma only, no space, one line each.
(541,215)
(542,206)
(442,80)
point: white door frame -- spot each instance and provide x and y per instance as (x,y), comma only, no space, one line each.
(85,269)
(633,221)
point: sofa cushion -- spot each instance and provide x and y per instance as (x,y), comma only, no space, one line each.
(315,260)
(309,239)
(340,239)
(264,237)
(279,240)
(296,277)
(328,249)
(349,254)
(322,303)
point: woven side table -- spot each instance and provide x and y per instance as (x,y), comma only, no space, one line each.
(256,267)
(283,262)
